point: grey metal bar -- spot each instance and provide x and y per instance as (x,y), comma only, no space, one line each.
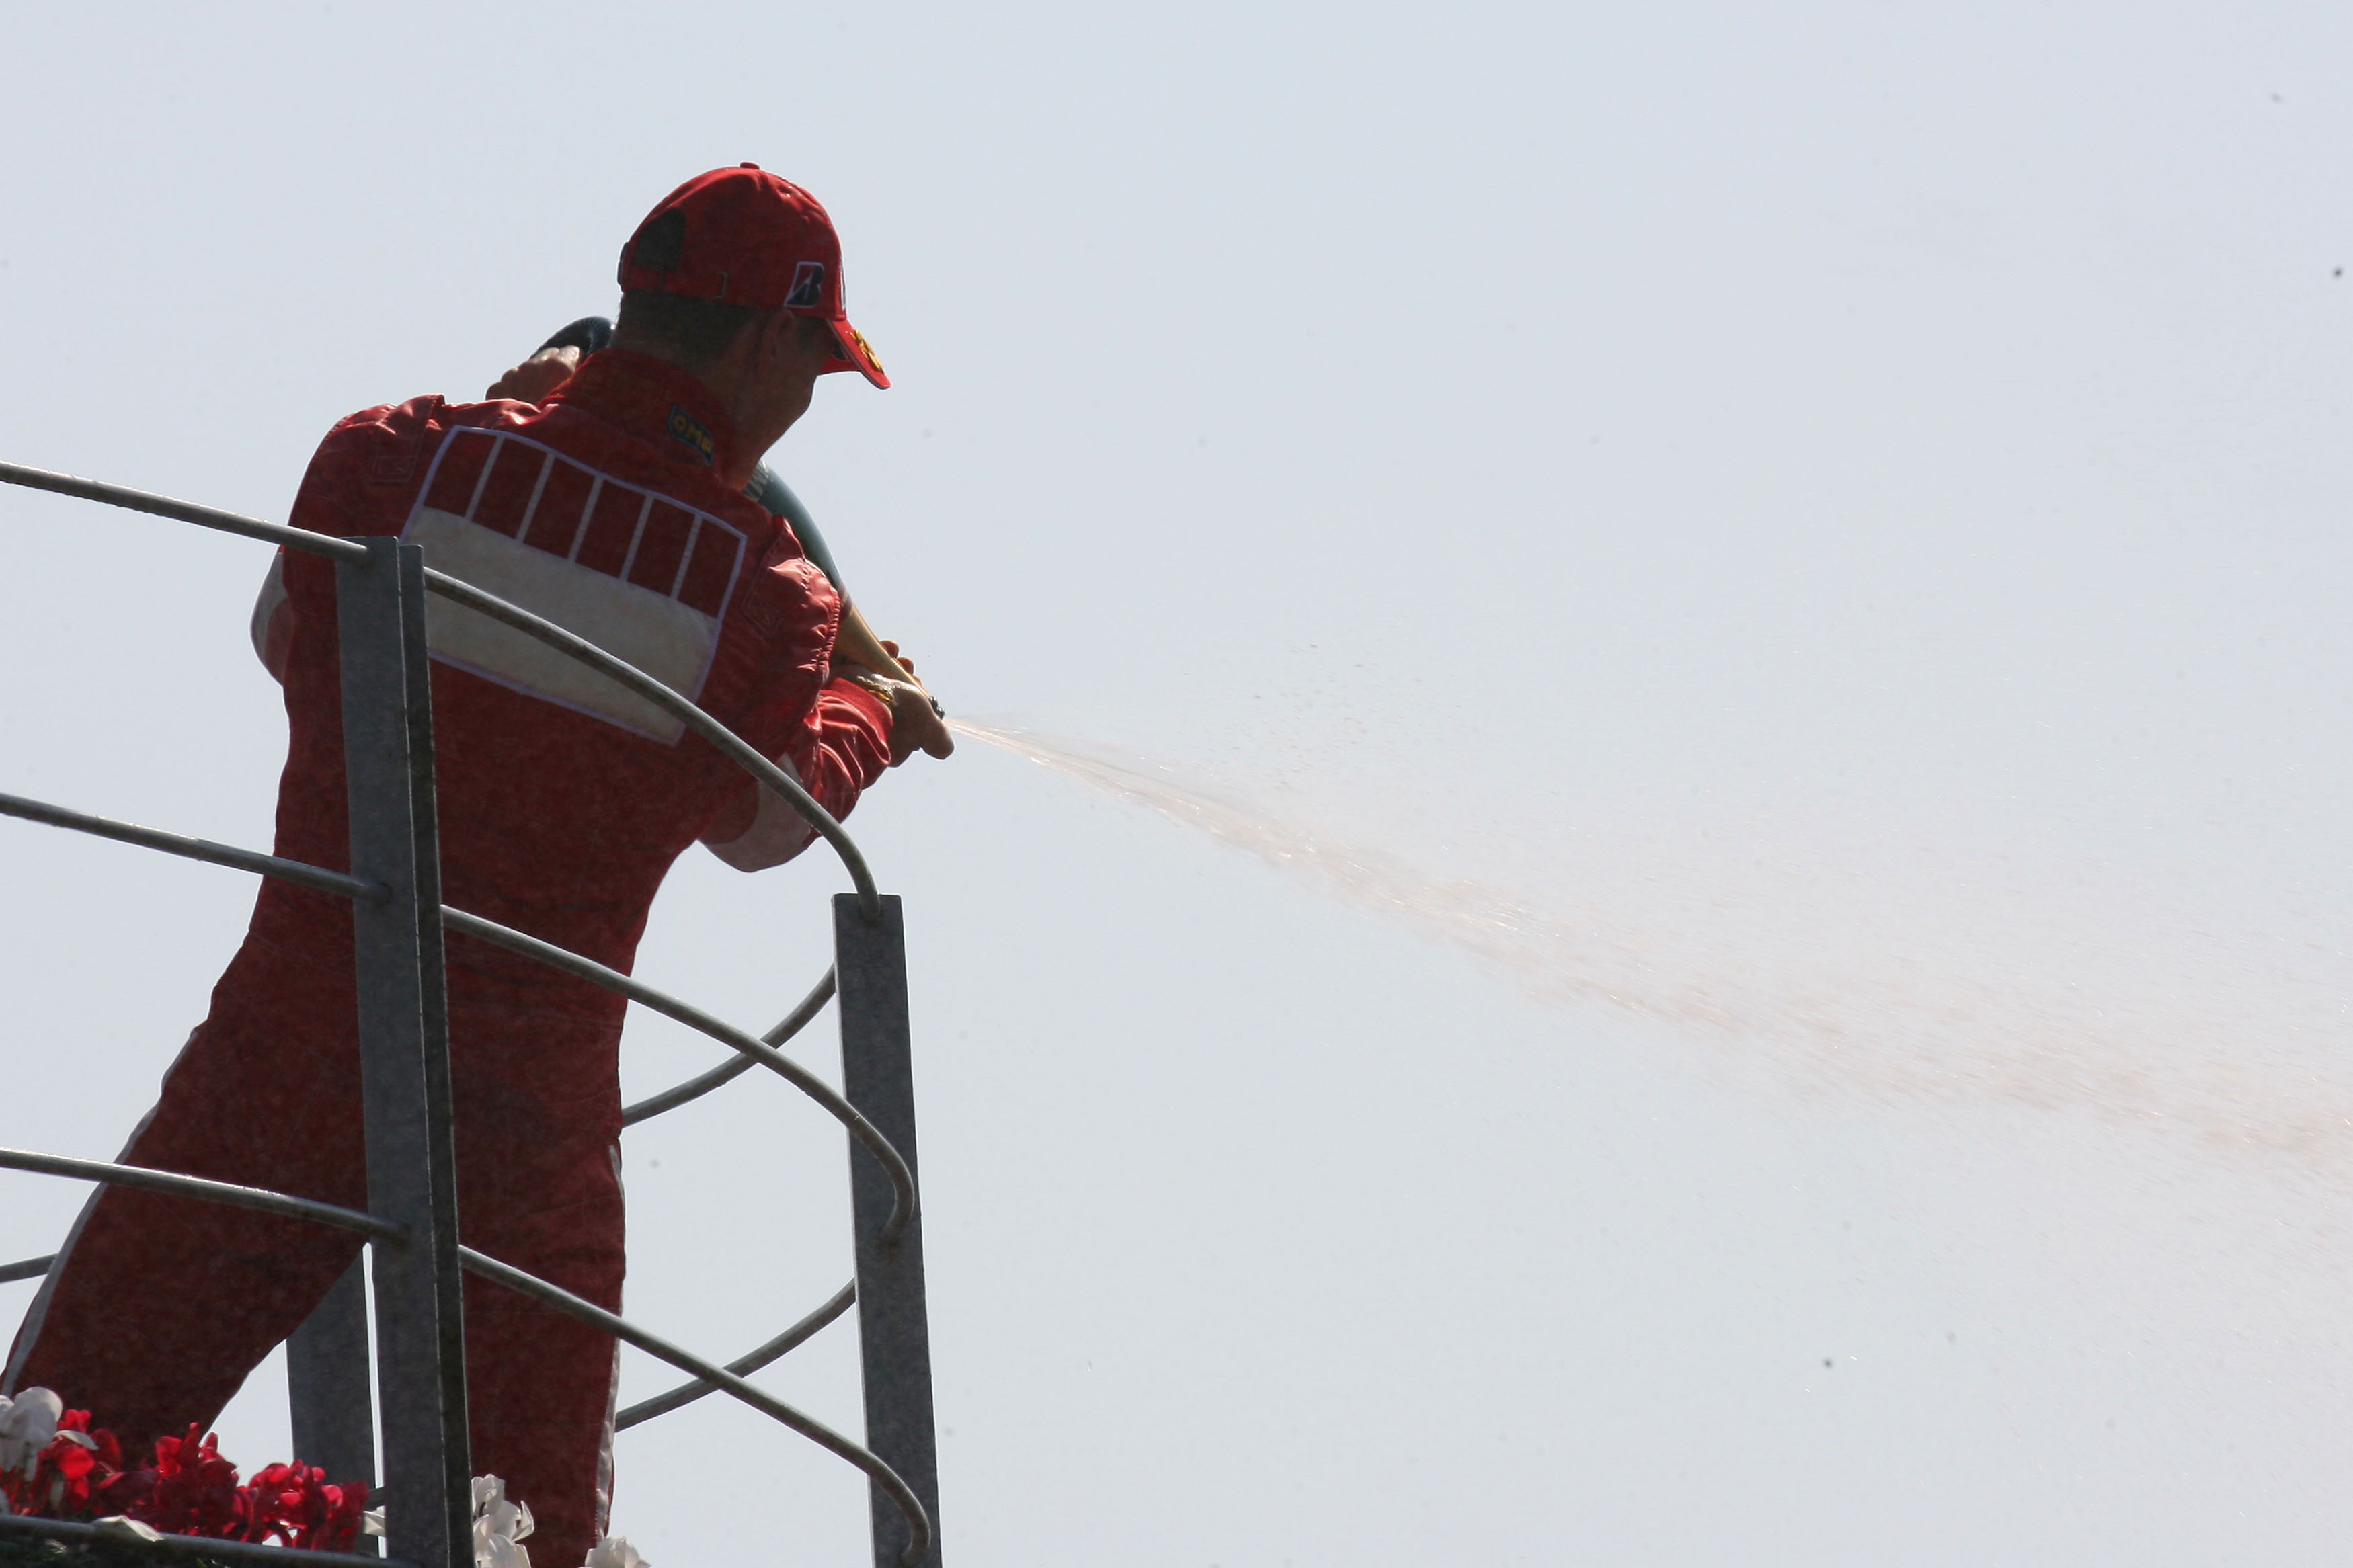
(870,962)
(902,1176)
(181,510)
(75,1534)
(187,848)
(429,1520)
(28,1269)
(791,1339)
(728,1071)
(327,1383)
(228,1193)
(728,742)
(433,1008)
(910,1506)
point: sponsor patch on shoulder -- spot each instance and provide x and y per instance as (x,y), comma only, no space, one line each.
(689,429)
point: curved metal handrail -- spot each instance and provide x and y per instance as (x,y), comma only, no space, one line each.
(201,1546)
(902,1180)
(709,1378)
(580,648)
(182,512)
(919,1524)
(228,1193)
(728,1071)
(188,849)
(790,1340)
(760,1051)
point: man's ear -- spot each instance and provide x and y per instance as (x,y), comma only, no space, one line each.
(779,332)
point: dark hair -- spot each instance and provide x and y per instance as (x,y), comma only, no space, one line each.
(693,331)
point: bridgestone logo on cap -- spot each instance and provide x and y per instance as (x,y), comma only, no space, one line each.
(809,286)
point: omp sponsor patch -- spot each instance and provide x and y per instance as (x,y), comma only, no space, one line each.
(686,427)
(639,573)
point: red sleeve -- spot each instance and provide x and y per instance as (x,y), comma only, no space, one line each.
(360,479)
(357,485)
(843,746)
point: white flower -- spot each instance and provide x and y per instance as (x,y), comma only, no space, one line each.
(500,1526)
(27,1425)
(615,1552)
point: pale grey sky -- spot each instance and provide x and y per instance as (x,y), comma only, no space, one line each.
(1789,570)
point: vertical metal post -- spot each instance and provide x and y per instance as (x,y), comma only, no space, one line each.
(433,1008)
(327,1385)
(424,1404)
(893,1329)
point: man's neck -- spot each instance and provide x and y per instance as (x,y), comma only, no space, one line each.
(656,398)
(728,379)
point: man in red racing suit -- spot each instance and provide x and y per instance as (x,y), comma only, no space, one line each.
(617,509)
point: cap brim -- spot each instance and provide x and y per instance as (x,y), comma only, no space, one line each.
(856,353)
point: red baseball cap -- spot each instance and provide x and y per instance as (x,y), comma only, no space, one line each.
(742,236)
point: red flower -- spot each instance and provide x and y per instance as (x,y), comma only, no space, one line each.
(195,1491)
(67,1470)
(190,1489)
(298,1504)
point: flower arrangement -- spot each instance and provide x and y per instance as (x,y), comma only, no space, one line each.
(53,1465)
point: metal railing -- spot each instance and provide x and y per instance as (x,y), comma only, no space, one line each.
(411,1221)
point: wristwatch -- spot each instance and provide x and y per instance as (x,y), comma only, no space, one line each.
(886,692)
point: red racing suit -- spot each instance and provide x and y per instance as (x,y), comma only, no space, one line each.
(564,800)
